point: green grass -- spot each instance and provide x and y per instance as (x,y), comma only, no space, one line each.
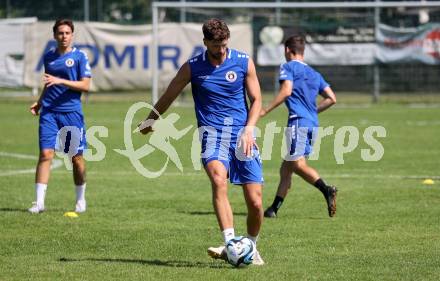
(386,227)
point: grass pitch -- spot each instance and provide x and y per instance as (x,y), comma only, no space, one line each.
(386,226)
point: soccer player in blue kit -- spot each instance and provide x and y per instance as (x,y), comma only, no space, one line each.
(300,85)
(221,78)
(66,74)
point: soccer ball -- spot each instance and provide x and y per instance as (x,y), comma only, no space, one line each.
(240,251)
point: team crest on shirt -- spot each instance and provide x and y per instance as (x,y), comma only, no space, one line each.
(70,62)
(231,76)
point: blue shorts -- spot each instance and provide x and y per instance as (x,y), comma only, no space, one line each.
(241,169)
(63,131)
(300,136)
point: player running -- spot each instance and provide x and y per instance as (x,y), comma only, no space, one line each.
(66,74)
(300,84)
(220,78)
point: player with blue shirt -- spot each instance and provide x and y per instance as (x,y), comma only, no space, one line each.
(300,85)
(66,75)
(221,78)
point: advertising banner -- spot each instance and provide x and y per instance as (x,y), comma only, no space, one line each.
(406,45)
(322,54)
(11,55)
(120,55)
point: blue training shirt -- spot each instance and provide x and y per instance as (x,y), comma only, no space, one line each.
(71,66)
(307,84)
(219,92)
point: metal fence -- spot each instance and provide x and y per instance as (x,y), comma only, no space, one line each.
(320,20)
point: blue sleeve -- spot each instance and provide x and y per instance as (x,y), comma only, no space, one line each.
(286,72)
(45,62)
(84,66)
(322,83)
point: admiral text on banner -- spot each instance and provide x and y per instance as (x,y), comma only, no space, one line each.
(121,55)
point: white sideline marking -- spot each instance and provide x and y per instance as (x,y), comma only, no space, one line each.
(423,123)
(56,163)
(423,105)
(335,176)
(419,123)
(352,106)
(16,155)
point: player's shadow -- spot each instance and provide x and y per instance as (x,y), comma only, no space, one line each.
(323,218)
(26,210)
(12,210)
(205,213)
(155,262)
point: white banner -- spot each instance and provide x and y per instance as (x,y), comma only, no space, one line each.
(11,54)
(409,45)
(322,54)
(120,55)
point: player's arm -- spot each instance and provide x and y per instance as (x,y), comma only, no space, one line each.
(284,92)
(36,106)
(82,85)
(254,93)
(329,99)
(175,87)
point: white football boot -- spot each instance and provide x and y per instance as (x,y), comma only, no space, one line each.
(217,252)
(80,206)
(36,208)
(257,259)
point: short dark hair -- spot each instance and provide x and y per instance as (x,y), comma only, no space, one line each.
(60,22)
(215,29)
(296,43)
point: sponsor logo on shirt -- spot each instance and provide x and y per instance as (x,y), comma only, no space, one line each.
(283,73)
(231,76)
(70,62)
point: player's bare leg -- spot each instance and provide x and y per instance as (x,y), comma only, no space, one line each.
(79,169)
(42,172)
(310,175)
(79,177)
(42,175)
(253,197)
(217,174)
(286,171)
(303,170)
